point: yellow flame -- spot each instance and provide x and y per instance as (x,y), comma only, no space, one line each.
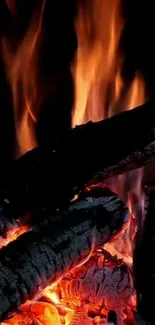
(53,296)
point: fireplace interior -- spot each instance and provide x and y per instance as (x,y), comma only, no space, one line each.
(77,167)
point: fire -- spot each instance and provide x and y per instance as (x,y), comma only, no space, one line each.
(100,90)
(36,313)
(129,188)
(21,63)
(12,235)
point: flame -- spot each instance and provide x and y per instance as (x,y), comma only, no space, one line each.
(99,87)
(38,313)
(21,63)
(53,296)
(12,235)
(101,92)
(129,188)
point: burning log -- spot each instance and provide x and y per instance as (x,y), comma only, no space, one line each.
(68,164)
(47,251)
(144,266)
(101,284)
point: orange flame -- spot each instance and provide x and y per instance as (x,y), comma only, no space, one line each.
(100,92)
(99,88)
(12,235)
(22,70)
(41,313)
(129,188)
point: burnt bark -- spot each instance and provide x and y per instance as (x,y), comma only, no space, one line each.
(46,252)
(144,267)
(99,283)
(52,175)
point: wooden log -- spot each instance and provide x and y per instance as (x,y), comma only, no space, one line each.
(144,266)
(107,148)
(42,255)
(100,283)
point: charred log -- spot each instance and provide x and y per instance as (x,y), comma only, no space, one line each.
(46,252)
(68,164)
(100,284)
(144,267)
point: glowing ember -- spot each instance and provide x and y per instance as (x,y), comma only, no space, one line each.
(12,234)
(38,313)
(100,284)
(84,293)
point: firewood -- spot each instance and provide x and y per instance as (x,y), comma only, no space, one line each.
(46,252)
(99,283)
(52,175)
(144,266)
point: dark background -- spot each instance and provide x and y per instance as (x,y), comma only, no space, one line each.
(137,43)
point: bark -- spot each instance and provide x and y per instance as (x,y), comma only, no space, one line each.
(52,175)
(144,267)
(100,284)
(46,252)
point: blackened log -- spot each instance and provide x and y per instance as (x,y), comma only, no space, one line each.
(52,175)
(45,253)
(144,266)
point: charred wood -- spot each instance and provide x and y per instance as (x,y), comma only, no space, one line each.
(45,253)
(100,284)
(52,175)
(144,267)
